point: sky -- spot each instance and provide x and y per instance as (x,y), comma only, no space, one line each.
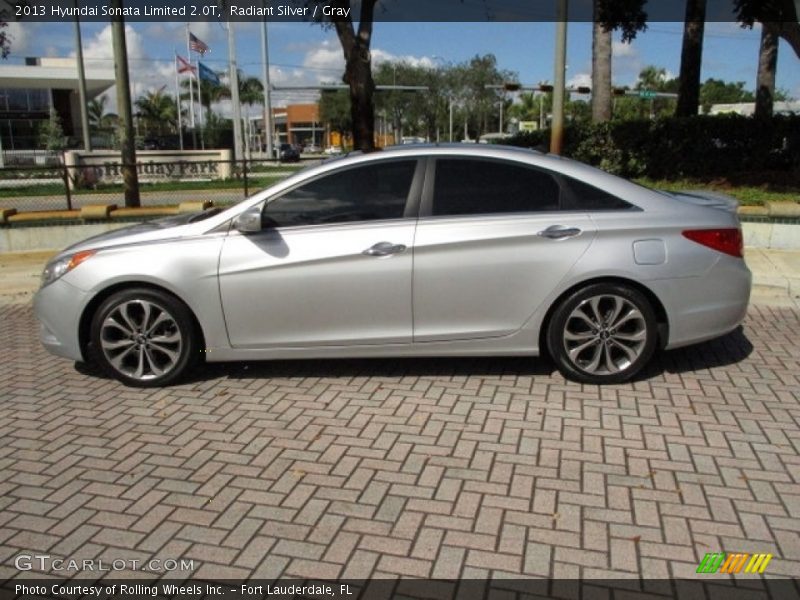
(305,53)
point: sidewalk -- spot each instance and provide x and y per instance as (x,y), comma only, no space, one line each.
(776,276)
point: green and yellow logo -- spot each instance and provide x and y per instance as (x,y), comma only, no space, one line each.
(732,562)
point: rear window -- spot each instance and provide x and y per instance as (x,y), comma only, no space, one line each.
(583,196)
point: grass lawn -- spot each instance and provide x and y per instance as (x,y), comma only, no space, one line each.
(747,195)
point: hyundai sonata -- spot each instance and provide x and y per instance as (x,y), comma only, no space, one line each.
(415,251)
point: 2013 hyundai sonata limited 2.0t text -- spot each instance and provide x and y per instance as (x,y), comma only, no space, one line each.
(414,251)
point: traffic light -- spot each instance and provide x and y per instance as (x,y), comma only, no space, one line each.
(511,86)
(546,88)
(583,90)
(619,91)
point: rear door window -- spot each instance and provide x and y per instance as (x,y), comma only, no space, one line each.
(478,186)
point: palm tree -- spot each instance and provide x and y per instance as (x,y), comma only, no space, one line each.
(691,59)
(98,118)
(251,90)
(210,92)
(601,71)
(609,15)
(767,66)
(157,112)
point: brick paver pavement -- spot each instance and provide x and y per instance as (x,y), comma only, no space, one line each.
(442,468)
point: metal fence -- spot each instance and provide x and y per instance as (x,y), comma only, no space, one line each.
(163,183)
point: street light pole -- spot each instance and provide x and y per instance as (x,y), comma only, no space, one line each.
(237,107)
(557,129)
(87,140)
(266,84)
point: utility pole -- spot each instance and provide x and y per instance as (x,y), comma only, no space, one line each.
(267,94)
(127,141)
(87,140)
(557,127)
(237,107)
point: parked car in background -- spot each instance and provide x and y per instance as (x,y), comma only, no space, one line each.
(288,153)
(331,150)
(414,251)
(313,149)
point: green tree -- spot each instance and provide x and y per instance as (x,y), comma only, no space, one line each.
(334,109)
(208,93)
(717,91)
(481,105)
(157,113)
(51,134)
(251,90)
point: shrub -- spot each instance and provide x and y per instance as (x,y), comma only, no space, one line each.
(675,148)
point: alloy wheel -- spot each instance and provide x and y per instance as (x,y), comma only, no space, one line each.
(141,339)
(605,334)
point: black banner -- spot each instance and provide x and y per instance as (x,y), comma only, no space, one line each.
(705,587)
(328,10)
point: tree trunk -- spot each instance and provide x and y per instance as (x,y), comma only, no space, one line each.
(601,73)
(130,176)
(767,65)
(358,75)
(691,59)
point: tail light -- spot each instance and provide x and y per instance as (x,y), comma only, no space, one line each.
(728,241)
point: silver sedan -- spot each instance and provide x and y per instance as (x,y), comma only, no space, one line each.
(415,251)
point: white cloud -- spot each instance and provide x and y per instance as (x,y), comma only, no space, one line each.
(627,63)
(18,35)
(621,49)
(580,80)
(146,75)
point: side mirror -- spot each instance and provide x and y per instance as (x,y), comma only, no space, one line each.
(249,221)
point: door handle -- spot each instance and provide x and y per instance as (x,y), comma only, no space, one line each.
(384,249)
(559,232)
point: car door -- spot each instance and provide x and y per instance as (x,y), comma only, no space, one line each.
(492,243)
(332,264)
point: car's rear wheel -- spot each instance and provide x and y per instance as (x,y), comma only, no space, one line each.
(144,338)
(602,333)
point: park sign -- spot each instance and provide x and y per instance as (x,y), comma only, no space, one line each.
(105,166)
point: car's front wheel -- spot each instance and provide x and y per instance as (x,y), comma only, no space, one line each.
(602,333)
(144,337)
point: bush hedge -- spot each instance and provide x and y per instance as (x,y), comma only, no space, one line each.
(675,148)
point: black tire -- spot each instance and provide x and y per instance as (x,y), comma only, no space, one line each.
(152,341)
(624,346)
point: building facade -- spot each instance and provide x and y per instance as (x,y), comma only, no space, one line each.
(29,91)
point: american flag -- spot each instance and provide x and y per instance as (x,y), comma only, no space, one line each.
(183,65)
(198,45)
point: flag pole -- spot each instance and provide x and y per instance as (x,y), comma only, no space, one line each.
(191,90)
(178,101)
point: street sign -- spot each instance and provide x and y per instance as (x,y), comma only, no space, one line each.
(647,94)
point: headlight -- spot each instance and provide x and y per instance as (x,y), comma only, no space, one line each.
(60,267)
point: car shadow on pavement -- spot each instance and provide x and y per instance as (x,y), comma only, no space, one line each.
(721,352)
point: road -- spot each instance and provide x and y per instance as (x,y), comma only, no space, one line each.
(414,468)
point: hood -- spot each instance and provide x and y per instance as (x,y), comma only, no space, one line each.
(706,198)
(157,229)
